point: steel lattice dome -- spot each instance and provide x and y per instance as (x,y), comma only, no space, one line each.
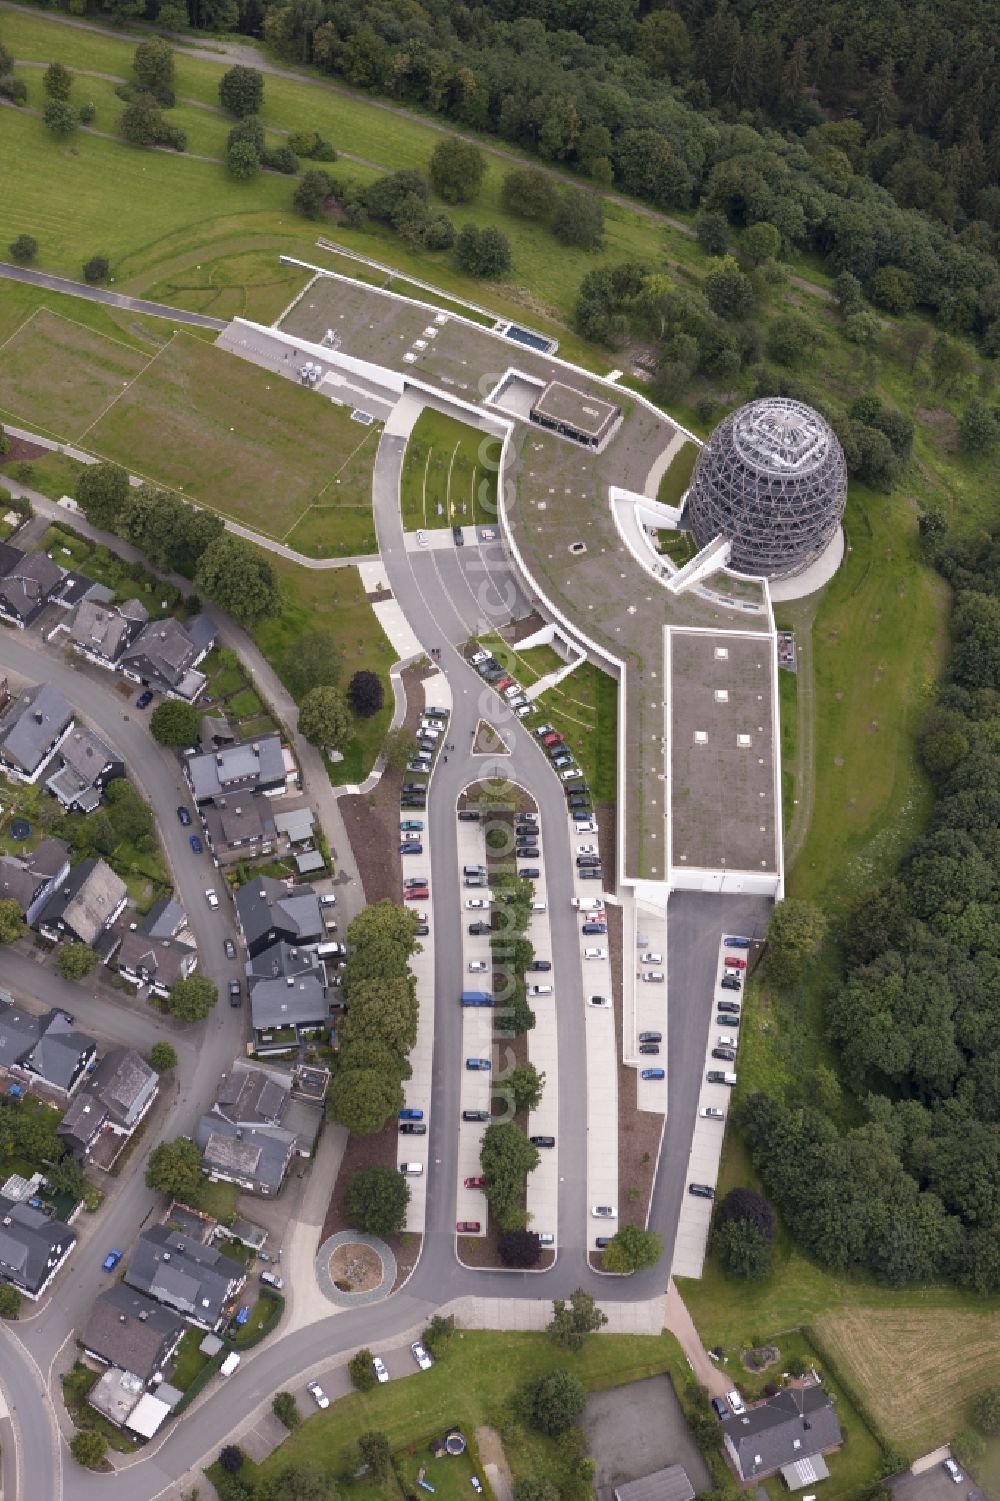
(772,479)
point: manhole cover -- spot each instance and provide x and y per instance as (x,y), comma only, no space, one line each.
(20,828)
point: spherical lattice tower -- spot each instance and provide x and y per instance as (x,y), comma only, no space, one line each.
(772,479)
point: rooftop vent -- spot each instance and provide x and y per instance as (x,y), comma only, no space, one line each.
(701,737)
(722,695)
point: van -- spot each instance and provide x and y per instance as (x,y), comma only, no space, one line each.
(411,1169)
(329,900)
(586,903)
(271,1279)
(546,1238)
(539,989)
(230,1363)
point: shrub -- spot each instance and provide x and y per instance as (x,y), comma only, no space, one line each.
(365,694)
(281,159)
(23,249)
(60,117)
(57,81)
(303,142)
(311,194)
(457,169)
(85,114)
(14,89)
(243,161)
(985,1411)
(249,130)
(437,1336)
(286,1410)
(231,1459)
(10,1301)
(361,1371)
(241,91)
(88,1448)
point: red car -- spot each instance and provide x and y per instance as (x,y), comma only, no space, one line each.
(733,963)
(475,1182)
(554,739)
(416,894)
(504,683)
(468,1227)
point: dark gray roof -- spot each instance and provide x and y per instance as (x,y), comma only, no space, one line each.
(239,818)
(82,1119)
(250,1096)
(266,905)
(165,651)
(130,1331)
(245,764)
(195,1279)
(161,959)
(30,723)
(27,588)
(164,919)
(255,1154)
(105,629)
(798,1422)
(83,761)
(671,1484)
(213,731)
(56,1056)
(121,1080)
(22,875)
(31,1244)
(19,1031)
(284,1003)
(203,630)
(281,960)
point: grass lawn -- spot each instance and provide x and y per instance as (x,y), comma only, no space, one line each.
(333,600)
(59,376)
(788,701)
(451,1475)
(188,1359)
(470,1386)
(230,435)
(678,474)
(449,474)
(54,474)
(584,708)
(336,531)
(219,1199)
(678,546)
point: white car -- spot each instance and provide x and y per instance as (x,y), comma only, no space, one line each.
(727,1042)
(545,729)
(514,691)
(523,710)
(538,906)
(604,1212)
(650,958)
(736,1403)
(480,656)
(570,773)
(586,849)
(595,953)
(653,977)
(211,898)
(476,904)
(421,539)
(601,1000)
(380,1370)
(318,1395)
(431,731)
(586,826)
(539,989)
(712,1113)
(477,966)
(421,1356)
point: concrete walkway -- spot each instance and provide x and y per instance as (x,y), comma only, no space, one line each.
(682,1327)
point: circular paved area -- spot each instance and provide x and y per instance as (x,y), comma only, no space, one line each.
(354,1300)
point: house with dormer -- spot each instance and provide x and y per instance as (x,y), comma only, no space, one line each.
(118,1096)
(33,1247)
(45,1049)
(165,655)
(84,767)
(790,1432)
(31,878)
(85,906)
(32,728)
(198,1281)
(101,632)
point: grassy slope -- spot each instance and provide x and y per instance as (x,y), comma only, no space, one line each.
(451,464)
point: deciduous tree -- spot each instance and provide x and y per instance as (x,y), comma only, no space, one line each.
(60,117)
(376,1201)
(795,932)
(141,121)
(578,219)
(362,1099)
(314,661)
(482,252)
(457,169)
(239,578)
(88,1448)
(153,65)
(192,998)
(572,1321)
(324,718)
(174,1168)
(286,1410)
(75,961)
(361,1370)
(365,694)
(529,193)
(12,924)
(526,1085)
(174,723)
(163,1056)
(243,161)
(57,81)
(507,1157)
(241,90)
(23,249)
(101,490)
(632,1249)
(555,1401)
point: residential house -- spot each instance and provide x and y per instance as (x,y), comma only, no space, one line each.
(296,825)
(33,1246)
(300,1003)
(119,1094)
(268,912)
(166,918)
(159,950)
(27,585)
(196,1280)
(46,1049)
(32,728)
(790,1432)
(131,1333)
(254,1157)
(239,827)
(165,656)
(238,770)
(85,906)
(29,879)
(85,767)
(214,733)
(255,1128)
(101,632)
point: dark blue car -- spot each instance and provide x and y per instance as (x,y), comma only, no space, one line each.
(411,847)
(145,699)
(183,816)
(195,844)
(409,1114)
(653,1073)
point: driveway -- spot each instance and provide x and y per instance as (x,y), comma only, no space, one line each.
(932,1485)
(636,1429)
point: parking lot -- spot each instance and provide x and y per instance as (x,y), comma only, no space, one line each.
(932,1484)
(637,1429)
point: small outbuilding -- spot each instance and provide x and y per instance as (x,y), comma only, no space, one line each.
(671,1484)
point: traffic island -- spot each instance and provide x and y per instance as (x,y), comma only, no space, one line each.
(354,1269)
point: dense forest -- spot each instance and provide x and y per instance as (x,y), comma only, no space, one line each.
(914,1192)
(867,133)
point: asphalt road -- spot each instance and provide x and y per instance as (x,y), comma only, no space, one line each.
(110,299)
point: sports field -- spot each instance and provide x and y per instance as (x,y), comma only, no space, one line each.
(449,474)
(59,376)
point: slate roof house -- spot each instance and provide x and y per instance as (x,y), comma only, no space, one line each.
(119,1094)
(165,656)
(252,1132)
(86,766)
(33,1246)
(45,1048)
(26,587)
(86,905)
(791,1432)
(32,727)
(300,1003)
(196,1280)
(246,766)
(131,1333)
(101,632)
(29,879)
(156,962)
(268,911)
(239,827)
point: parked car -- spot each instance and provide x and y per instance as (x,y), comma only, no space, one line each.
(649,1048)
(380,1370)
(545,729)
(534,990)
(183,815)
(411,1113)
(736,943)
(653,976)
(720,1076)
(417,1350)
(731,982)
(650,1036)
(953,1471)
(591,873)
(649,958)
(595,953)
(726,1055)
(145,699)
(529,872)
(476,903)
(479,1182)
(720,1409)
(467,1227)
(468,815)
(600,1000)
(195,842)
(459,541)
(712,1113)
(594,928)
(701,1190)
(271,1279)
(736,1403)
(318,1395)
(417,894)
(732,962)
(587,849)
(478,966)
(413,1128)
(727,1021)
(235,993)
(475,1115)
(411,847)
(411,825)
(585,824)
(479,929)
(727,1042)
(478,1065)
(229,948)
(604,1212)
(211,898)
(480,656)
(732,1007)
(542,1141)
(111,1261)
(653,1073)
(540,965)
(602,1241)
